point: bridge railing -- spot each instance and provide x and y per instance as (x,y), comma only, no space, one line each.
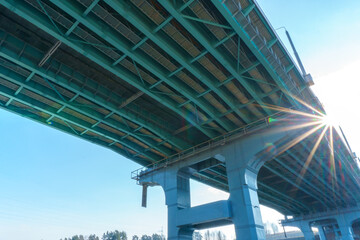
(220,140)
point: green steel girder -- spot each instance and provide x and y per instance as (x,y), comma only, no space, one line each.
(247,10)
(295,173)
(300,204)
(327,170)
(272,42)
(220,5)
(274,35)
(43,23)
(174,51)
(29,65)
(279,201)
(200,35)
(24,113)
(245,104)
(67,118)
(45,92)
(352,171)
(206,22)
(314,174)
(119,42)
(281,209)
(295,184)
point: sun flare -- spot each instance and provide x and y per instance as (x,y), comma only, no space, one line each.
(330,120)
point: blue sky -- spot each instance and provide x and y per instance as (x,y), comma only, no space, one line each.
(55,185)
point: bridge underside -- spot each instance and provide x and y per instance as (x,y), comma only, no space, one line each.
(150,79)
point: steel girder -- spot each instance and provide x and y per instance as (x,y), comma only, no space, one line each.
(327,170)
(43,23)
(307,181)
(294,184)
(29,115)
(198,33)
(220,5)
(293,201)
(276,40)
(119,42)
(52,76)
(67,118)
(146,27)
(314,174)
(52,95)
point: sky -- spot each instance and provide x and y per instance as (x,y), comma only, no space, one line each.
(54,185)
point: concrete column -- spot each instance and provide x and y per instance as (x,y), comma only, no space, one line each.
(246,214)
(321,233)
(177,194)
(306,230)
(345,227)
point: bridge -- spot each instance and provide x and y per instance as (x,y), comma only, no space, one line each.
(192,89)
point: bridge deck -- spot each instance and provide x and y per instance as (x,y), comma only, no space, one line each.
(149,79)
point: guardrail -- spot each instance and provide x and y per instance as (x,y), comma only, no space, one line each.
(222,139)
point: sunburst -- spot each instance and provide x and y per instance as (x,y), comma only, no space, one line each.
(314,121)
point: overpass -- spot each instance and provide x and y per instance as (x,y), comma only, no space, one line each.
(190,90)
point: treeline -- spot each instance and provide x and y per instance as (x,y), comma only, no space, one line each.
(121,235)
(116,235)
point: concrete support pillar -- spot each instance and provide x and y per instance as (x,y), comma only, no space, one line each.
(306,230)
(246,214)
(345,227)
(177,195)
(321,233)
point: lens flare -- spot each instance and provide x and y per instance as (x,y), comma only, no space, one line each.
(313,121)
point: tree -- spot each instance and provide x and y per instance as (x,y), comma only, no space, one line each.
(116,235)
(145,237)
(93,237)
(135,237)
(156,236)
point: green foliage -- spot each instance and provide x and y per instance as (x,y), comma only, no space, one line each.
(145,237)
(135,237)
(116,235)
(93,237)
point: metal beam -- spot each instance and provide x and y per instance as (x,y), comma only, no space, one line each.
(284,196)
(295,184)
(26,63)
(67,118)
(43,91)
(295,173)
(43,23)
(199,34)
(327,170)
(230,111)
(175,52)
(26,114)
(222,8)
(301,163)
(206,22)
(117,40)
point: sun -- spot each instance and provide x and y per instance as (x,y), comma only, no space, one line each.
(330,120)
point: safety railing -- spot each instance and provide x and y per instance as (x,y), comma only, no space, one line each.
(220,140)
